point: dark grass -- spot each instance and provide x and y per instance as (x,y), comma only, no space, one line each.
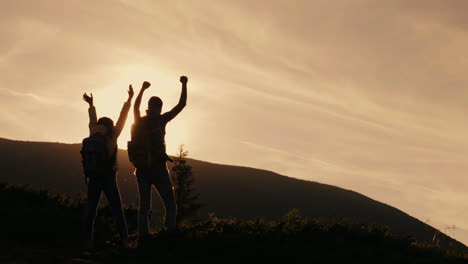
(291,237)
(41,228)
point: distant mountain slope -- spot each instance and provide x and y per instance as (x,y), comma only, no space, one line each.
(226,190)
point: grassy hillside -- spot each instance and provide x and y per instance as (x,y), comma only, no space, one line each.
(49,232)
(229,191)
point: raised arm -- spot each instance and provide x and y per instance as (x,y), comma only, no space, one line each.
(182,101)
(136,107)
(91,110)
(123,113)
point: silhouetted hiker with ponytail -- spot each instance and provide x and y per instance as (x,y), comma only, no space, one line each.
(147,152)
(99,154)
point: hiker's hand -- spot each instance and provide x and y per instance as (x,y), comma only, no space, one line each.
(145,85)
(130,92)
(183,79)
(88,99)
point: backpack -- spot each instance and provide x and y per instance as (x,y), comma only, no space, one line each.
(147,144)
(95,156)
(137,148)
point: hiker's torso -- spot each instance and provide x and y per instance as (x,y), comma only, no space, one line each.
(154,127)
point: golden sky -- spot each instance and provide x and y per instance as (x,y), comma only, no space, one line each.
(367,95)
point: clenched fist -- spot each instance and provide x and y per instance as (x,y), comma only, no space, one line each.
(183,79)
(146,85)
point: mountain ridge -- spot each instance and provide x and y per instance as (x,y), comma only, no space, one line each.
(227,190)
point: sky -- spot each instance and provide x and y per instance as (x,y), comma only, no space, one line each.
(366,95)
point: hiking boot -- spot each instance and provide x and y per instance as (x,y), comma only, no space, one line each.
(89,249)
(144,241)
(124,243)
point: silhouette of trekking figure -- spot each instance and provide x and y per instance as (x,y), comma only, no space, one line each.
(147,152)
(99,153)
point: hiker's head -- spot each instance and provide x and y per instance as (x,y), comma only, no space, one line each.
(154,105)
(108,123)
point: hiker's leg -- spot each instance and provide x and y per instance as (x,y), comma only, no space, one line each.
(144,191)
(111,190)
(94,195)
(164,186)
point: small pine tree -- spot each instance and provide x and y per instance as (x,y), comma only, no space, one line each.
(182,179)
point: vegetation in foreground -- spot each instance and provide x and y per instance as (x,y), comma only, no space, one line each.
(41,228)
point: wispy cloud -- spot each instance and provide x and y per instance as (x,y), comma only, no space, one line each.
(33,96)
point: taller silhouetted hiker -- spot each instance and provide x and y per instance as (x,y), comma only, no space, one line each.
(99,156)
(147,152)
